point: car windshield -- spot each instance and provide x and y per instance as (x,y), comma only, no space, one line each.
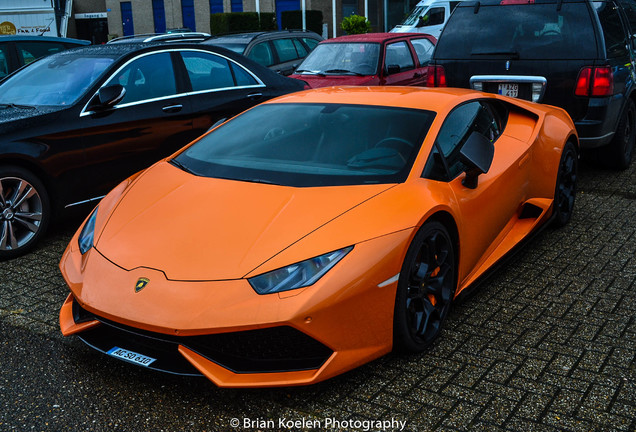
(414,16)
(237,47)
(56,81)
(523,31)
(342,58)
(307,145)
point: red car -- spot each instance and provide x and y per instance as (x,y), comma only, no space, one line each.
(368,59)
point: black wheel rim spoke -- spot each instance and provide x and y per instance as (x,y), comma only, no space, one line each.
(430,287)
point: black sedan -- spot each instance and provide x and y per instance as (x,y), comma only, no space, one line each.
(74,124)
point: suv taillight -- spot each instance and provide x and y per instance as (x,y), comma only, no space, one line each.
(595,81)
(436,77)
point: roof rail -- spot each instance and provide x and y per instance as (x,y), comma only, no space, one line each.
(150,37)
(178,36)
(120,38)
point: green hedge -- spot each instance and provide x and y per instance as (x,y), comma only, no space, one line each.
(268,21)
(293,20)
(233,22)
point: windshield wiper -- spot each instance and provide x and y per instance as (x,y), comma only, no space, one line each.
(258,180)
(12,105)
(181,166)
(343,71)
(310,72)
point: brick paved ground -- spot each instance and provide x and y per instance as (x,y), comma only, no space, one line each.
(547,344)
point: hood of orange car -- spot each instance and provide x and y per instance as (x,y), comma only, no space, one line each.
(199,228)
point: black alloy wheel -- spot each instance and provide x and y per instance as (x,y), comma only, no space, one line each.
(24,211)
(425,289)
(565,191)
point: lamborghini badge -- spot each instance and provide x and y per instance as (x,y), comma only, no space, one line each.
(141,284)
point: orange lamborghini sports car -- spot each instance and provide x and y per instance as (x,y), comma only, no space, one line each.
(315,232)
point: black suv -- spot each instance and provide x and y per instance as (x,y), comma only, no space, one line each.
(575,54)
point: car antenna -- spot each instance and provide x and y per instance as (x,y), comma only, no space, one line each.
(477,5)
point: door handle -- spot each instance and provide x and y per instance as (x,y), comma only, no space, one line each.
(172,108)
(255,96)
(417,75)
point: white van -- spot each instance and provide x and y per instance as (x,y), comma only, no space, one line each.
(428,16)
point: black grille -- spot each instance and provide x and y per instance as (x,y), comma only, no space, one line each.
(274,349)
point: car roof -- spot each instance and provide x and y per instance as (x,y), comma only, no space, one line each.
(123,49)
(249,36)
(162,37)
(394,96)
(22,38)
(373,37)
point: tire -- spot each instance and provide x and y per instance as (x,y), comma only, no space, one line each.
(565,189)
(425,289)
(25,211)
(618,154)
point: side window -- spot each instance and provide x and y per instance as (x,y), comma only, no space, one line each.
(613,32)
(4,61)
(434,16)
(243,78)
(285,50)
(262,54)
(29,51)
(444,162)
(147,77)
(398,53)
(423,49)
(207,71)
(311,43)
(302,52)
(629,6)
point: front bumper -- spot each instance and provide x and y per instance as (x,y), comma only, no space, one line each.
(228,333)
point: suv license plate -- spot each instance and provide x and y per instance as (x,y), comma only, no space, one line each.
(131,356)
(506,89)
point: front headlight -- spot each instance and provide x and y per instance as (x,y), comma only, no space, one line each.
(297,275)
(85,239)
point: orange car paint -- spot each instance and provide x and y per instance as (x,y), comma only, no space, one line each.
(350,309)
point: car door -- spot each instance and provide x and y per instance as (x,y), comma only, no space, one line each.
(218,87)
(290,53)
(423,51)
(399,65)
(487,210)
(152,121)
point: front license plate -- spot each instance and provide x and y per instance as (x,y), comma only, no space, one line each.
(131,356)
(507,89)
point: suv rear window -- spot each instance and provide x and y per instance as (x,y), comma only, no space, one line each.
(524,31)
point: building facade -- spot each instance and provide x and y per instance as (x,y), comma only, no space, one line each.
(156,16)
(124,17)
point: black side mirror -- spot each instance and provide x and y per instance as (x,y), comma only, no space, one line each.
(107,97)
(392,69)
(477,154)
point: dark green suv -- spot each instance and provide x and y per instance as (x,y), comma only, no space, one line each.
(575,54)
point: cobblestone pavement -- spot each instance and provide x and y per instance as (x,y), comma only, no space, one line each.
(547,344)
